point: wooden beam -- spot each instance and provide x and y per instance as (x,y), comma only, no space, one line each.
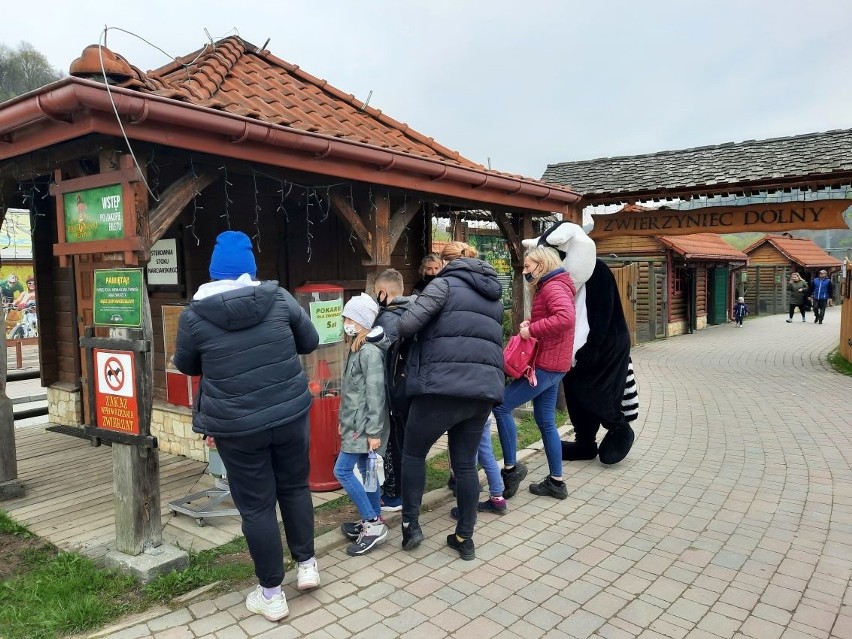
(341,206)
(44,161)
(175,199)
(401,219)
(381,236)
(516,249)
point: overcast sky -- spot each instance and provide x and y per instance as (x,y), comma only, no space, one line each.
(520,83)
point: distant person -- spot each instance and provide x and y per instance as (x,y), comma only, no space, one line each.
(388,288)
(429,268)
(233,328)
(821,294)
(797,295)
(740,311)
(455,377)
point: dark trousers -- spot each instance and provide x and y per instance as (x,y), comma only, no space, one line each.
(587,422)
(819,309)
(263,469)
(463,420)
(801,309)
(393,460)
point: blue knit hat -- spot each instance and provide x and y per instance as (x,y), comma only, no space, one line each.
(232,256)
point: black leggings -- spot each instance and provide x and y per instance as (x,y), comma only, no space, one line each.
(793,310)
(463,420)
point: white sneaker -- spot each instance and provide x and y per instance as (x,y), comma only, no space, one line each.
(308,575)
(273,609)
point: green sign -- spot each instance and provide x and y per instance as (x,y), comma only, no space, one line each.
(118,297)
(94,214)
(327,318)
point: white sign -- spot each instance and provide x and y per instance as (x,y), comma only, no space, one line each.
(114,371)
(163,266)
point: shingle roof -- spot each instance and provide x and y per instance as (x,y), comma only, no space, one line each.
(233,75)
(709,246)
(800,250)
(735,164)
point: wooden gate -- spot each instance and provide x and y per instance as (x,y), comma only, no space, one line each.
(627,279)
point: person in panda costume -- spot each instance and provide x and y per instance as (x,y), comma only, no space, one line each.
(600,389)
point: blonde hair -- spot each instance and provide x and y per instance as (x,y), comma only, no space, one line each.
(545,256)
(430,257)
(455,250)
(359,340)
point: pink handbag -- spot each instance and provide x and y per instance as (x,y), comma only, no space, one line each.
(519,358)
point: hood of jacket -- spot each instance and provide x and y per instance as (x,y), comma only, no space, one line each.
(232,305)
(478,274)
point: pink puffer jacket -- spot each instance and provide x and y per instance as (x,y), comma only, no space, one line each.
(552,322)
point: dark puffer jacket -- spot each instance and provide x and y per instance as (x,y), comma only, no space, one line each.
(457,321)
(245,343)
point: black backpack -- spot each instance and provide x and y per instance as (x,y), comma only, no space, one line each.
(395,378)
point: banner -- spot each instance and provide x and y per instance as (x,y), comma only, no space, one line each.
(94,214)
(782,216)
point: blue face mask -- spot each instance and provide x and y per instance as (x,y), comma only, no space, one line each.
(529,277)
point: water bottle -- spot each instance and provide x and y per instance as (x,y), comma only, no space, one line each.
(371,480)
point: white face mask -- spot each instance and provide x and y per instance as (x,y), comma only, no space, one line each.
(350,330)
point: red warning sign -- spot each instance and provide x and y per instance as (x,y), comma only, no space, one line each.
(116,407)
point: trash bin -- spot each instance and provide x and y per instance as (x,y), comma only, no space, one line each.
(324,369)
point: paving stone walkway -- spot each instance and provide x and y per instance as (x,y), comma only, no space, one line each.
(732,517)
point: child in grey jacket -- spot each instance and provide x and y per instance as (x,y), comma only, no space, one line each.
(364,425)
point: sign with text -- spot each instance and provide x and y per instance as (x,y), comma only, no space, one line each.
(327,318)
(784,216)
(162,269)
(94,214)
(116,407)
(117,297)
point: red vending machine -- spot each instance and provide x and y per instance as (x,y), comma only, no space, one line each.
(324,368)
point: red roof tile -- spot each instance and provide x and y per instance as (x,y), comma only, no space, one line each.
(235,76)
(800,250)
(708,246)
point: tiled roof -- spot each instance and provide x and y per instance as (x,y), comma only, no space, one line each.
(234,76)
(735,164)
(800,250)
(709,246)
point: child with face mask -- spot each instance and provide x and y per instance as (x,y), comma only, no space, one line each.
(364,424)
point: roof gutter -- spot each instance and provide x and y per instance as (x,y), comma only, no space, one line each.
(59,102)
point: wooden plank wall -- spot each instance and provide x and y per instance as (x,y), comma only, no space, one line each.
(845,294)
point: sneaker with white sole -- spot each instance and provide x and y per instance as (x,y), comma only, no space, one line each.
(352,529)
(307,577)
(273,609)
(372,534)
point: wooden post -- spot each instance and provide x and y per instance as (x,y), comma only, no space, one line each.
(10,486)
(380,248)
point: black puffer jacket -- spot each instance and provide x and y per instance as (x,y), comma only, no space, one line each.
(457,321)
(245,343)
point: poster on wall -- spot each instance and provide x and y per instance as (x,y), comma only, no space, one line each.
(493,249)
(17,282)
(328,320)
(94,214)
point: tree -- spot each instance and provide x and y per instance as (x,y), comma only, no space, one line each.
(23,69)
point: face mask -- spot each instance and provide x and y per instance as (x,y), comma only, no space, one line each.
(529,277)
(429,278)
(382,299)
(350,330)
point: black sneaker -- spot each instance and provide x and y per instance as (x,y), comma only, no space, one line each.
(465,548)
(487,506)
(372,534)
(412,535)
(352,529)
(512,480)
(549,488)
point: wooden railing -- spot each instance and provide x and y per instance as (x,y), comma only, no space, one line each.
(18,345)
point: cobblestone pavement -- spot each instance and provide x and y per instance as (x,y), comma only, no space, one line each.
(732,517)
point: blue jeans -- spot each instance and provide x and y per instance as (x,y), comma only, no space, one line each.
(543,397)
(368,504)
(485,457)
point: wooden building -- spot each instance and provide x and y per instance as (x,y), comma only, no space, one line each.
(331,190)
(772,259)
(683,281)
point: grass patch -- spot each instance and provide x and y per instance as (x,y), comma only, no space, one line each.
(226,563)
(840,363)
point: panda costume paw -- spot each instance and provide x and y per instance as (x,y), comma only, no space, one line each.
(616,444)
